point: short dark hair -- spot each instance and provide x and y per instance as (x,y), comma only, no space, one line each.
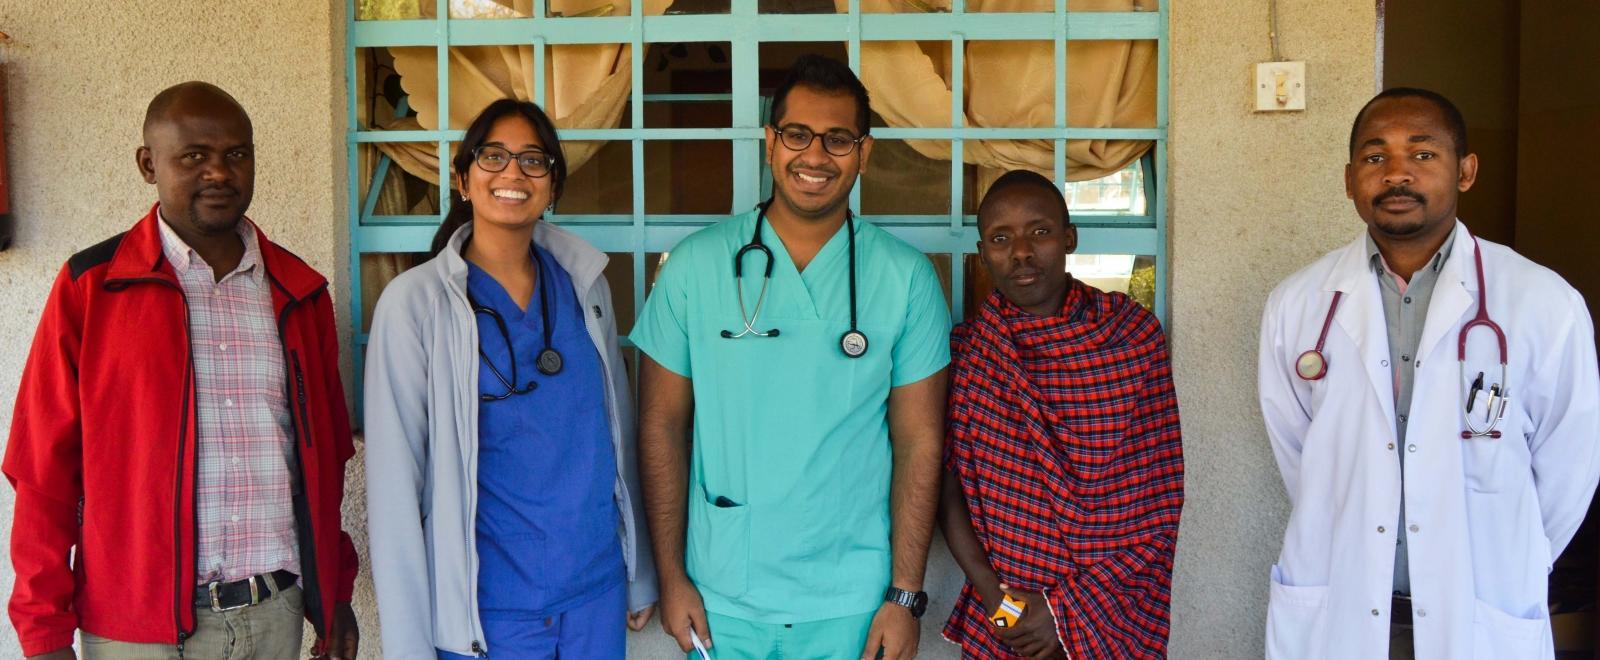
(1027,179)
(823,74)
(1454,123)
(477,133)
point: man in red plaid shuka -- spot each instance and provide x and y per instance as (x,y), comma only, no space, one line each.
(1064,457)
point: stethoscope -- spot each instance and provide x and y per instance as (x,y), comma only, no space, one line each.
(1313,365)
(853,343)
(549,361)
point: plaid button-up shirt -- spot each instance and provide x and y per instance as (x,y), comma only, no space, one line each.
(244,492)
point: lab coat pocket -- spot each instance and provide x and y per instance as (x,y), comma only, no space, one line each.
(1294,613)
(1501,636)
(1486,459)
(719,547)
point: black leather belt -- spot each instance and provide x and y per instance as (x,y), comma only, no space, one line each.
(1400,610)
(224,596)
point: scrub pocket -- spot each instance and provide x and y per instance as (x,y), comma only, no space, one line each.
(1497,635)
(1293,616)
(718,548)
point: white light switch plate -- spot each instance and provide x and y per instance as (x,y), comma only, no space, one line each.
(1280,86)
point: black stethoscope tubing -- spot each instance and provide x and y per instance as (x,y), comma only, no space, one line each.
(853,343)
(549,361)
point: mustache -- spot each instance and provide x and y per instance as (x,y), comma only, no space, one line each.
(221,187)
(1397,192)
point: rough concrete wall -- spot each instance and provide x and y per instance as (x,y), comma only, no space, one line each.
(1254,198)
(79,74)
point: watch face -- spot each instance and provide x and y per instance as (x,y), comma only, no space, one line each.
(919,604)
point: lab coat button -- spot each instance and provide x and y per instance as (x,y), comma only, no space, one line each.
(1380,529)
(1422,613)
(1391,445)
(1414,528)
(1383,363)
(1374,612)
(1411,448)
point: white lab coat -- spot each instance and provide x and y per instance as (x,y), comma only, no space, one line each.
(1490,516)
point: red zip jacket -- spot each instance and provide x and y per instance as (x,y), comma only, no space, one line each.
(102,449)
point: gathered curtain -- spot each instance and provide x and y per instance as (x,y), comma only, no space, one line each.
(1006,84)
(1010,84)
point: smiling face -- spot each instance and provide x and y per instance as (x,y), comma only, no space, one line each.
(509,198)
(1404,175)
(812,183)
(1024,241)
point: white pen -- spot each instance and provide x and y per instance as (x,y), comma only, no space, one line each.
(698,645)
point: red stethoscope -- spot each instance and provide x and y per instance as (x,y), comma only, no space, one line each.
(1313,365)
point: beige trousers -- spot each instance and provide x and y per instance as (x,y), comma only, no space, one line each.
(269,630)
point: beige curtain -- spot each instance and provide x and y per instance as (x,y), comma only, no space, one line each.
(586,86)
(1012,84)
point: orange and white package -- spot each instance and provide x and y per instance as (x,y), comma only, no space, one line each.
(1007,614)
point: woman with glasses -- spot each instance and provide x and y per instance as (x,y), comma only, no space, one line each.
(502,492)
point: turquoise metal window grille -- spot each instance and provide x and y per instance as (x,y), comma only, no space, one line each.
(1135,228)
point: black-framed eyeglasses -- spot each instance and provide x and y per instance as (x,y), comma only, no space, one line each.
(799,138)
(536,164)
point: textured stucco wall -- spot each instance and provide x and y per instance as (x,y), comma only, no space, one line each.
(1253,197)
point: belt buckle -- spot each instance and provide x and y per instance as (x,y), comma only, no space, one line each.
(216,602)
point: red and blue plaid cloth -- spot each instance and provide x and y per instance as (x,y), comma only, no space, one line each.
(1064,435)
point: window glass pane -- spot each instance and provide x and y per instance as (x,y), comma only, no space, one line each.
(910,82)
(390,10)
(907,178)
(688,176)
(700,6)
(585,8)
(619,276)
(797,6)
(488,8)
(1117,193)
(688,85)
(601,182)
(408,171)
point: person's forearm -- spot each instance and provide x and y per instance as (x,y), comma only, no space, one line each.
(664,477)
(914,502)
(916,431)
(956,521)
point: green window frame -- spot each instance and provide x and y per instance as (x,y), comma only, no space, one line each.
(745,29)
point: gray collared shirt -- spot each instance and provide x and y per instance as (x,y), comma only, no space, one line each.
(1405,310)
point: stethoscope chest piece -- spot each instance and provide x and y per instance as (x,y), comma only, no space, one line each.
(853,343)
(1311,365)
(549,362)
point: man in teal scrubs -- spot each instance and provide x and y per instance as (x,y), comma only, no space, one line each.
(798,524)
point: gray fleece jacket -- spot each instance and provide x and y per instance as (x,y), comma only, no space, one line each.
(421,428)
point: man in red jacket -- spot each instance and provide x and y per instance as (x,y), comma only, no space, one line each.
(180,434)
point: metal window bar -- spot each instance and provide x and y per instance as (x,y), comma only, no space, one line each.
(746,29)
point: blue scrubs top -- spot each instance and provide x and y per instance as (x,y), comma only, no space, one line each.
(788,511)
(547,522)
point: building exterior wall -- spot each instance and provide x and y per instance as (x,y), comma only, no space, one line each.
(1252,198)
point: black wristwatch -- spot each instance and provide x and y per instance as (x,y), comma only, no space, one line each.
(916,601)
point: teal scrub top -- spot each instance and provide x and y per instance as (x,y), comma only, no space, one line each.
(788,517)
